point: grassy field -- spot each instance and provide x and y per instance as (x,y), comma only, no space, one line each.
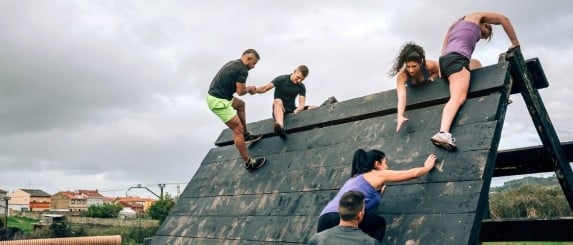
(129,235)
(24,224)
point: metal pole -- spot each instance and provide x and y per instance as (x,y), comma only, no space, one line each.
(6,198)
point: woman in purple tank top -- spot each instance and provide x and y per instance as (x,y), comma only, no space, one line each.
(457,49)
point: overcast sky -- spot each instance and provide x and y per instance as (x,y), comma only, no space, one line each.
(110,94)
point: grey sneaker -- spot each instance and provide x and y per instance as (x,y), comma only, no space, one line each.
(252,138)
(444,140)
(254,163)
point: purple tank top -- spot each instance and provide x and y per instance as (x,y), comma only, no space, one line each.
(462,38)
(358,183)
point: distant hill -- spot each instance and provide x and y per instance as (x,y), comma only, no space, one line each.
(548,181)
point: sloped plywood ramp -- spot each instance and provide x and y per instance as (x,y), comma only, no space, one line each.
(280,203)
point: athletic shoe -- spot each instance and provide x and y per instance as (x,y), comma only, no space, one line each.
(254,163)
(330,100)
(444,140)
(252,138)
(279,130)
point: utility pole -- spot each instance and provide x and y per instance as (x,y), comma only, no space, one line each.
(161,186)
(6,198)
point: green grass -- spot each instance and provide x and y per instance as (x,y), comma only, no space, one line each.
(24,224)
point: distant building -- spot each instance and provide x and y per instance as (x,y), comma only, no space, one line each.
(29,200)
(137,204)
(78,200)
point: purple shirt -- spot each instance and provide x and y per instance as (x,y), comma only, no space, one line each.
(462,38)
(358,183)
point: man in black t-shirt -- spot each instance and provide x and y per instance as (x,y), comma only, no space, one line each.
(287,88)
(230,79)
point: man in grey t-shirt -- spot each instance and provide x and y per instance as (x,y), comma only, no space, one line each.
(351,209)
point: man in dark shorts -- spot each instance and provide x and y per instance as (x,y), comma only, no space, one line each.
(230,79)
(287,88)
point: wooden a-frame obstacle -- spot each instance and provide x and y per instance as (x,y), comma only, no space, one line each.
(280,203)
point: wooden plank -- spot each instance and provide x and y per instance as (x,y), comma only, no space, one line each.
(271,204)
(429,228)
(452,197)
(487,79)
(542,123)
(528,160)
(527,230)
(304,166)
(383,126)
(292,229)
(537,76)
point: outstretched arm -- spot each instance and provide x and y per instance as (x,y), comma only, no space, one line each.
(263,89)
(401,93)
(404,175)
(498,19)
(495,19)
(242,88)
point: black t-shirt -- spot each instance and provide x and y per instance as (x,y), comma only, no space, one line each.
(224,84)
(287,91)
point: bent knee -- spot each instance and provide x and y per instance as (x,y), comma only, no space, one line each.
(458,100)
(238,103)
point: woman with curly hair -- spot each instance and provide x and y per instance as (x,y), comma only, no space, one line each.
(411,68)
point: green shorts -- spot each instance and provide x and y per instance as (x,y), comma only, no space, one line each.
(222,108)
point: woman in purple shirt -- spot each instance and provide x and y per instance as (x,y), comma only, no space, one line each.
(457,49)
(370,174)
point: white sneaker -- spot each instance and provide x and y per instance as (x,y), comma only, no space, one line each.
(444,140)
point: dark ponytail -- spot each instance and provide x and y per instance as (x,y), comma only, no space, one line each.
(363,161)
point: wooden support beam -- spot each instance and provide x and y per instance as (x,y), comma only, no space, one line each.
(542,122)
(527,230)
(527,160)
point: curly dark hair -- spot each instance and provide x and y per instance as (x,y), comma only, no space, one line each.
(409,52)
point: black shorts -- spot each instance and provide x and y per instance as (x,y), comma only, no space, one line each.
(288,111)
(452,63)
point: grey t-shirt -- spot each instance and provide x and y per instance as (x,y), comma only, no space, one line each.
(341,235)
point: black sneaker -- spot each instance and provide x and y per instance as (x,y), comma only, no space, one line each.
(252,138)
(279,130)
(255,163)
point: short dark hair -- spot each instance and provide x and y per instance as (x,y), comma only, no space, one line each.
(350,204)
(303,70)
(252,51)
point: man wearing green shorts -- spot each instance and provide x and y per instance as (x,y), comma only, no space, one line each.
(230,79)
